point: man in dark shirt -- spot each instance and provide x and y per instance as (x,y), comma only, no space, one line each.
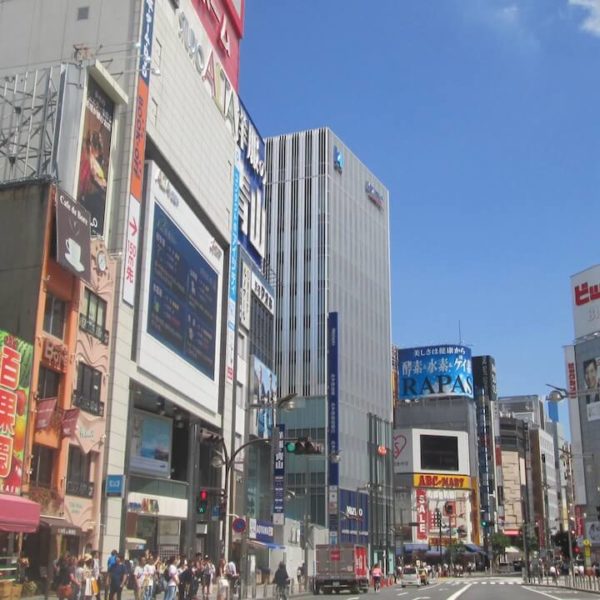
(118,578)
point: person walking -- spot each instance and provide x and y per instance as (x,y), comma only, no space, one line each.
(117,575)
(172,579)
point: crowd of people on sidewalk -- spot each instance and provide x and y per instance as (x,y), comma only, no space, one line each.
(178,578)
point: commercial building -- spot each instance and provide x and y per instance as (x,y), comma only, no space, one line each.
(436,458)
(582,362)
(328,245)
(132,107)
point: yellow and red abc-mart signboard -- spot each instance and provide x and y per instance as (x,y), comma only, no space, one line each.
(16,357)
(441,481)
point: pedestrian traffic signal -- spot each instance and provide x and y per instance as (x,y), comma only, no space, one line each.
(449,508)
(202,502)
(437,517)
(303,445)
(484,523)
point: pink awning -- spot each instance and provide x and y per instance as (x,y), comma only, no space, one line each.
(18,514)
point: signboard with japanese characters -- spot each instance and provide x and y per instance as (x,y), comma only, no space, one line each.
(279,477)
(585,294)
(16,357)
(435,371)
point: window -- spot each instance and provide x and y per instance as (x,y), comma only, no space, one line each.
(42,462)
(78,473)
(54,316)
(93,316)
(48,383)
(439,452)
(87,394)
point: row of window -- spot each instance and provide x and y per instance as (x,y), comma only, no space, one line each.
(86,395)
(92,318)
(78,471)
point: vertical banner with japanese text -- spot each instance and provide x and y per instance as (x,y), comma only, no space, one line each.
(132,225)
(279,477)
(16,357)
(333,425)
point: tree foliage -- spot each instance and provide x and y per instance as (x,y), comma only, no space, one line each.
(499,544)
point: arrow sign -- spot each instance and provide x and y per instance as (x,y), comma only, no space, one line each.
(134,227)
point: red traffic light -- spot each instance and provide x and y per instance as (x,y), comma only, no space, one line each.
(203,495)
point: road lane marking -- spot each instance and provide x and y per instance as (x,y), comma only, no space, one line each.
(460,592)
(542,593)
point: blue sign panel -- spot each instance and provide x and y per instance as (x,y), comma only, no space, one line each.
(252,209)
(264,532)
(279,477)
(435,371)
(354,517)
(114,486)
(182,311)
(333,397)
(146,41)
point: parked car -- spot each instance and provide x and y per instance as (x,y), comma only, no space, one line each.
(410,576)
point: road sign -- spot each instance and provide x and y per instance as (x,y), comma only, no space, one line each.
(239,525)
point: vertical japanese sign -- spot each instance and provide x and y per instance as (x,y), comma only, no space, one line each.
(279,477)
(15,372)
(130,251)
(233,269)
(422,514)
(333,425)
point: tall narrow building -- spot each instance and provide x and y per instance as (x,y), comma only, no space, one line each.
(328,245)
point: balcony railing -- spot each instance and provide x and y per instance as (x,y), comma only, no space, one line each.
(83,489)
(94,329)
(88,405)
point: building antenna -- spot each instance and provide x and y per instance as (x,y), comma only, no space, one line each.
(459,334)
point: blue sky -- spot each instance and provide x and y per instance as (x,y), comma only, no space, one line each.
(481,117)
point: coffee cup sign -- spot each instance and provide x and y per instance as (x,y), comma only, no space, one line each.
(73,236)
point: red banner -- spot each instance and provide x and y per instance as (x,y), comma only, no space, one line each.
(422,514)
(45,410)
(69,422)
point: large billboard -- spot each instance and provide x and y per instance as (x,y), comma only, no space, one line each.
(591,389)
(16,357)
(182,283)
(151,441)
(354,516)
(95,155)
(431,371)
(264,394)
(585,295)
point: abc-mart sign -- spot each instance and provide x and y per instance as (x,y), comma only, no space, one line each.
(217,84)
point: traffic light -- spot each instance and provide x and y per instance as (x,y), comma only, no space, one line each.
(303,445)
(598,512)
(449,508)
(202,502)
(484,524)
(437,518)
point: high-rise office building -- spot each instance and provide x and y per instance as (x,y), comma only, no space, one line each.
(328,246)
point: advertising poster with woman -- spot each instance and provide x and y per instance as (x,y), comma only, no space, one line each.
(264,394)
(95,155)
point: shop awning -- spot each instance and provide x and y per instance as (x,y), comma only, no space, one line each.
(474,548)
(414,547)
(18,514)
(59,526)
(265,545)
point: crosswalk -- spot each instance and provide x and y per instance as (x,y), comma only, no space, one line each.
(472,581)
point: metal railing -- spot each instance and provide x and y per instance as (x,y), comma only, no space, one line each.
(88,405)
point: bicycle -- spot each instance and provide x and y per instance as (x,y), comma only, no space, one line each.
(281,592)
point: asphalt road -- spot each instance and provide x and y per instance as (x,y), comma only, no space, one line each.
(473,588)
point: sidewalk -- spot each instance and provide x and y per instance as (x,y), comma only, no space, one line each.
(259,591)
(584,583)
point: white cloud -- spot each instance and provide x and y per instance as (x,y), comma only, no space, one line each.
(591,23)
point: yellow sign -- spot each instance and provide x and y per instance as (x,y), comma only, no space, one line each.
(434,480)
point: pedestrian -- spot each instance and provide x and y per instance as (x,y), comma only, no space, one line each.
(172,579)
(117,575)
